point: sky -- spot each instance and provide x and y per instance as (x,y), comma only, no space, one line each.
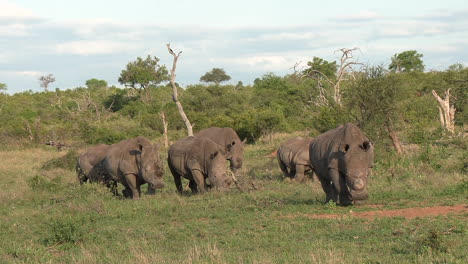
(80,40)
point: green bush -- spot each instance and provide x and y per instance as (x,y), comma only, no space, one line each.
(67,161)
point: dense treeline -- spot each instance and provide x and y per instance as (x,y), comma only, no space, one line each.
(377,100)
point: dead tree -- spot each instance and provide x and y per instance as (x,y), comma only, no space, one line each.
(46,80)
(345,72)
(163,117)
(446,112)
(174,90)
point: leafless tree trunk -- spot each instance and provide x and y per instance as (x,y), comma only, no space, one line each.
(166,142)
(396,142)
(46,80)
(345,72)
(446,112)
(174,90)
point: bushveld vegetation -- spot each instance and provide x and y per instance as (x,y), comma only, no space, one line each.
(46,216)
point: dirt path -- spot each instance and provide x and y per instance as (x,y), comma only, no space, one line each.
(408,213)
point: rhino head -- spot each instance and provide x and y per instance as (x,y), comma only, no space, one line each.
(150,167)
(217,172)
(355,166)
(235,154)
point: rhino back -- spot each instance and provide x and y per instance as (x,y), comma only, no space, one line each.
(191,152)
(120,158)
(325,147)
(92,157)
(295,151)
(221,136)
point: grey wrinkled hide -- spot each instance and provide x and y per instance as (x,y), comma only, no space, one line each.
(293,158)
(341,159)
(89,166)
(198,159)
(230,142)
(134,162)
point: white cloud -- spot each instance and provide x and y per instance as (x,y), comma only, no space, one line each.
(94,47)
(29,74)
(361,16)
(9,11)
(16,29)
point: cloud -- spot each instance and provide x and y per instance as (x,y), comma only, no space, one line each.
(94,47)
(365,15)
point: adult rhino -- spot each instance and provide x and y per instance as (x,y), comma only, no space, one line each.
(197,159)
(89,167)
(134,162)
(293,158)
(229,141)
(341,159)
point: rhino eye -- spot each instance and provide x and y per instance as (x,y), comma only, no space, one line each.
(346,148)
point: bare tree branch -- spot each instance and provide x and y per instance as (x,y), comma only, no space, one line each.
(174,90)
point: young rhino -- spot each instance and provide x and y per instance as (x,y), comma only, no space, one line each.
(341,159)
(293,158)
(134,162)
(197,159)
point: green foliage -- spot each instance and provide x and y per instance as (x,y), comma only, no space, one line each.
(68,161)
(260,122)
(3,87)
(320,68)
(216,76)
(65,230)
(407,61)
(141,73)
(96,84)
(329,118)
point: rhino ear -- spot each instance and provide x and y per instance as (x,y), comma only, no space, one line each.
(213,155)
(140,147)
(229,146)
(244,141)
(366,145)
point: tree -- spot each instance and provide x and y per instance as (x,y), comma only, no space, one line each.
(142,73)
(3,87)
(407,61)
(174,90)
(45,80)
(94,84)
(216,75)
(333,74)
(374,102)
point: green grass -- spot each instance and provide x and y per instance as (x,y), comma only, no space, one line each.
(46,216)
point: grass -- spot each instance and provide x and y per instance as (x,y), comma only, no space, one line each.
(47,217)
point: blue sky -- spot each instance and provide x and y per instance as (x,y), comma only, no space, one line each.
(80,40)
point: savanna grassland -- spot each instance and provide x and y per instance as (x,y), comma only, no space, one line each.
(47,217)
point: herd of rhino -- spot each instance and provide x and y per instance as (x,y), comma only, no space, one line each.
(340,158)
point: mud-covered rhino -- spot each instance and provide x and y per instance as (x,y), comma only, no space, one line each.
(229,141)
(198,159)
(341,159)
(293,158)
(134,162)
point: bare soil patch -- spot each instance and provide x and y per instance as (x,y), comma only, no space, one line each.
(408,213)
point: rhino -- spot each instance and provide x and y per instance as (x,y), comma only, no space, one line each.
(341,158)
(293,158)
(89,167)
(134,162)
(198,159)
(229,141)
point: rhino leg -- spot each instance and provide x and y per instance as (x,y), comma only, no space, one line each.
(300,169)
(199,180)
(132,184)
(328,189)
(283,168)
(340,187)
(193,186)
